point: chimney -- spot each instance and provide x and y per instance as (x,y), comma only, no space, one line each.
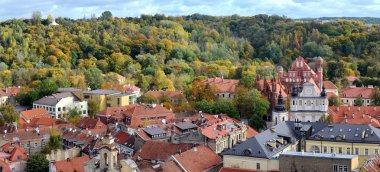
(195,149)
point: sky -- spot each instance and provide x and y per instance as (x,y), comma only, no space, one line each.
(10,9)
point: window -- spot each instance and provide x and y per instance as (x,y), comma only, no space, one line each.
(324,149)
(86,96)
(332,150)
(19,157)
(335,168)
(294,102)
(348,151)
(356,151)
(84,112)
(59,109)
(257,166)
(340,150)
(376,151)
(64,108)
(366,151)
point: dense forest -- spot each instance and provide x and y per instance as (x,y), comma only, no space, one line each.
(156,52)
(366,20)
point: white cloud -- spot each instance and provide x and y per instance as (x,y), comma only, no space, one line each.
(123,8)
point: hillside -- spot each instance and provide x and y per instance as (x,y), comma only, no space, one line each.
(156,52)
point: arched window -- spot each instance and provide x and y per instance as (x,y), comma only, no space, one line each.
(314,149)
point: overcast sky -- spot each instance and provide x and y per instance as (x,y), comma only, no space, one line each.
(122,8)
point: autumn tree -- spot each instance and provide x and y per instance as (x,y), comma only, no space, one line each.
(375,96)
(9,114)
(37,163)
(94,78)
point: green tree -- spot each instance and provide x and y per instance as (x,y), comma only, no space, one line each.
(37,163)
(106,15)
(222,106)
(148,99)
(94,78)
(9,113)
(251,102)
(36,17)
(359,101)
(257,122)
(247,81)
(273,51)
(55,141)
(93,108)
(26,98)
(375,96)
(334,101)
(47,87)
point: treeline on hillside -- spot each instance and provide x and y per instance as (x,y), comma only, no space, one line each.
(366,20)
(156,52)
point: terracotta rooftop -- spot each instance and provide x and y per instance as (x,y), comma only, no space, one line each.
(2,93)
(5,166)
(352,78)
(157,150)
(200,158)
(90,123)
(228,169)
(329,85)
(279,86)
(223,85)
(356,115)
(220,129)
(125,139)
(168,94)
(35,113)
(12,91)
(131,88)
(355,92)
(72,165)
(18,154)
(29,134)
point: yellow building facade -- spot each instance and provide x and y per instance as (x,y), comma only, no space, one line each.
(109,98)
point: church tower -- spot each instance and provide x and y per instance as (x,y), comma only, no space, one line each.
(108,154)
(279,113)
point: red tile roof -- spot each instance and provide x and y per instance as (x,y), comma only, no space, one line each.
(171,166)
(355,92)
(137,112)
(35,113)
(157,150)
(12,91)
(124,138)
(329,85)
(279,86)
(90,123)
(352,78)
(168,94)
(251,132)
(356,115)
(212,131)
(223,85)
(16,152)
(131,88)
(71,165)
(5,166)
(228,169)
(200,158)
(2,93)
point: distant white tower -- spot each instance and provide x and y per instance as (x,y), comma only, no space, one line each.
(53,23)
(279,114)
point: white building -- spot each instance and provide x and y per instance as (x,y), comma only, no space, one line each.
(61,103)
(351,94)
(308,103)
(279,114)
(3,97)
